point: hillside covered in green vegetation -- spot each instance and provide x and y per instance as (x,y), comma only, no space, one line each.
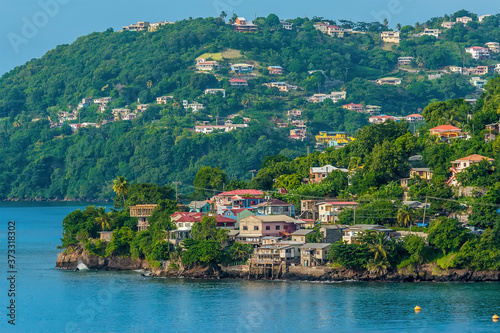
(133,68)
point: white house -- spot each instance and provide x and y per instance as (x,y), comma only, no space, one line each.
(447,25)
(463,19)
(195,106)
(493,46)
(390,36)
(482,17)
(215,91)
(389,80)
(478,52)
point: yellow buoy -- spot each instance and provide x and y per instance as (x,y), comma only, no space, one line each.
(495,317)
(417,308)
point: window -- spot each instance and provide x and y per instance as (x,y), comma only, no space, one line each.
(268,228)
(255,227)
(277,227)
(245,227)
(318,252)
(286,227)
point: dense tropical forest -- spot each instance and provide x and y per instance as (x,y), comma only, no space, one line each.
(40,161)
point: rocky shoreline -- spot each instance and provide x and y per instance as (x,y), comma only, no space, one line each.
(424,273)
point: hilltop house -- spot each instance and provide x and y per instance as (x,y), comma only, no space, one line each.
(317,174)
(140,26)
(242,25)
(314,254)
(463,19)
(482,17)
(286,25)
(183,221)
(253,228)
(448,25)
(463,163)
(329,211)
(390,37)
(142,212)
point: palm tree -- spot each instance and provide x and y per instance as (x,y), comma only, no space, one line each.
(102,218)
(121,186)
(404,217)
(379,247)
(379,267)
(398,26)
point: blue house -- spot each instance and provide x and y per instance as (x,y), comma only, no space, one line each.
(245,202)
(199,206)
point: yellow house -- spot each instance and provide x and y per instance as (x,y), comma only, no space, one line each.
(424,173)
(333,138)
(446,131)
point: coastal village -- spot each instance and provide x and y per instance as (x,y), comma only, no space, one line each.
(285,236)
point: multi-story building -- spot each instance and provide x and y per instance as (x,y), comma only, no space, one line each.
(478,52)
(318,174)
(329,211)
(463,163)
(390,37)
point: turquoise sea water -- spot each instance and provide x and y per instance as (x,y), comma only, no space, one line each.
(50,300)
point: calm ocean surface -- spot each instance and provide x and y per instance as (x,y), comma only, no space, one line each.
(50,300)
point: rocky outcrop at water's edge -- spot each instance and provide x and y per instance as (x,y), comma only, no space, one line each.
(424,273)
(70,259)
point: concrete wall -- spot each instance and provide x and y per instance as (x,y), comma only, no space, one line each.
(314,271)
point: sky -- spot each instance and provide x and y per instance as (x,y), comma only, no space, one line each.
(30,28)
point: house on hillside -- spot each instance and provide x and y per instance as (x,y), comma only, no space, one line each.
(478,52)
(329,211)
(413,118)
(242,68)
(394,81)
(463,163)
(301,235)
(142,212)
(163,99)
(253,228)
(286,25)
(242,25)
(402,61)
(215,91)
(207,65)
(318,174)
(424,173)
(275,70)
(448,25)
(492,132)
(390,37)
(446,132)
(354,107)
(350,234)
(463,19)
(238,83)
(493,46)
(200,206)
(194,106)
(237,199)
(275,207)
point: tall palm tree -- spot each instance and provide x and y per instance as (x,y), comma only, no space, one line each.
(121,186)
(379,247)
(404,217)
(102,218)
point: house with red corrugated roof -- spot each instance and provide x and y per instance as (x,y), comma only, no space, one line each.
(463,163)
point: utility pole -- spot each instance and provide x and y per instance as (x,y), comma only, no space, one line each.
(425,209)
(354,215)
(307,150)
(176,193)
(252,172)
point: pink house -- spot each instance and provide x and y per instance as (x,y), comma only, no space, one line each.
(253,228)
